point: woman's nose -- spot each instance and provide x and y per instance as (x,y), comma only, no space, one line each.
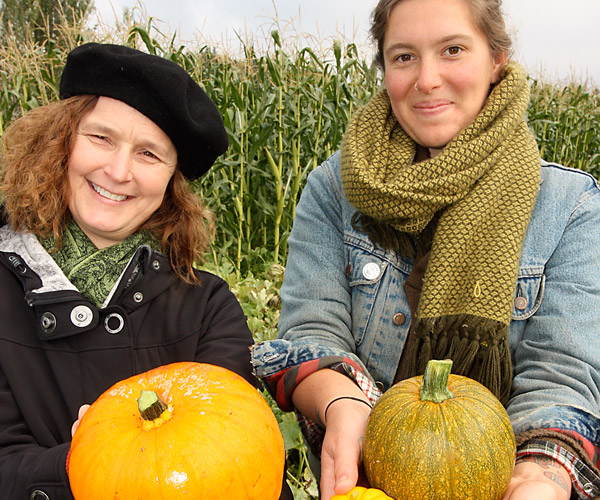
(428,78)
(119,166)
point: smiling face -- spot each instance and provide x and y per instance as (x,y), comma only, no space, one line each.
(438,69)
(118,171)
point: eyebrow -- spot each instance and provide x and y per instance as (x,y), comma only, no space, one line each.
(448,38)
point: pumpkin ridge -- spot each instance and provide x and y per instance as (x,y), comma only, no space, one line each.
(492,406)
(225,453)
(419,412)
(120,474)
(475,419)
(448,477)
(108,454)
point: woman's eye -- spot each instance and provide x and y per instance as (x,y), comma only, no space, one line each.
(98,137)
(150,154)
(453,51)
(404,58)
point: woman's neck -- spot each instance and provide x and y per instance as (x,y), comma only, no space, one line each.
(424,153)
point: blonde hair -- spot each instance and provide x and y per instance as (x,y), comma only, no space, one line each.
(487,15)
(35,190)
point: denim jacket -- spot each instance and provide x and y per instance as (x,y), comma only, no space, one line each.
(343,297)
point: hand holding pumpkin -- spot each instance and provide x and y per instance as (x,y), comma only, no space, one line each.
(547,480)
(80,414)
(341,452)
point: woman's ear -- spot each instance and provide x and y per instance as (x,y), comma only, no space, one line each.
(500,61)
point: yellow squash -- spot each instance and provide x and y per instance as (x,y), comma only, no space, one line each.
(360,493)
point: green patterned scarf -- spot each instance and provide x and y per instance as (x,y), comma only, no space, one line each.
(483,186)
(94,272)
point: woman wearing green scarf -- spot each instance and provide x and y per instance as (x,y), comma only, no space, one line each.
(99,234)
(435,233)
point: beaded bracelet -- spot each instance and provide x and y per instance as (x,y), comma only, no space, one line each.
(344,397)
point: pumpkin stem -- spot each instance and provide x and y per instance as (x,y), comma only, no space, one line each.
(151,406)
(435,381)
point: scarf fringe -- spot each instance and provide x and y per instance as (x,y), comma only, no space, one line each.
(477,346)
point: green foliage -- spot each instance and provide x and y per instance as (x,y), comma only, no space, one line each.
(565,122)
(39,19)
(258,295)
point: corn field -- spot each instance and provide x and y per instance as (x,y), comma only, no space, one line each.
(285,111)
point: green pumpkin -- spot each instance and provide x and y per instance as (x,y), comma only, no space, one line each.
(439,437)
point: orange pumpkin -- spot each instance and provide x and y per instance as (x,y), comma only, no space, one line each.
(439,437)
(198,431)
(360,493)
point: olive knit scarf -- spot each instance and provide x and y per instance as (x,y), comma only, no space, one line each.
(483,187)
(94,272)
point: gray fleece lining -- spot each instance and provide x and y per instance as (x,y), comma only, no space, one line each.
(27,246)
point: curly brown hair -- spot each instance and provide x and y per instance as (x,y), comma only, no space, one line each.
(487,15)
(35,190)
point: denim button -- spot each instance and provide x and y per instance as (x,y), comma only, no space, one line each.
(371,271)
(520,303)
(138,297)
(399,319)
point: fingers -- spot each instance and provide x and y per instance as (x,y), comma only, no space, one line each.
(538,477)
(80,413)
(340,458)
(74,427)
(82,410)
(340,474)
(327,476)
(346,473)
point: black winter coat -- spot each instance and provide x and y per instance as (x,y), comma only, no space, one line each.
(58,351)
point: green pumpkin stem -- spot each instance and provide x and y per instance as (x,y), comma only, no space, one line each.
(151,406)
(435,381)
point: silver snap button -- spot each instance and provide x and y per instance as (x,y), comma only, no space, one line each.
(39,495)
(371,271)
(138,297)
(520,303)
(156,265)
(81,316)
(588,488)
(114,323)
(48,322)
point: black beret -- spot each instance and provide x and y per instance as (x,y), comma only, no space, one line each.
(158,88)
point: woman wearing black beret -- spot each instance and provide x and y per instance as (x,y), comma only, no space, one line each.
(98,234)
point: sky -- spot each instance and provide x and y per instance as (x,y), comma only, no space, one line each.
(554,39)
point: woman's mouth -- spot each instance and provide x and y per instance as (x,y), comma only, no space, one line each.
(107,194)
(432,106)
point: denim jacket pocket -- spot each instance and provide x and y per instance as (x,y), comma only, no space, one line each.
(529,293)
(365,271)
